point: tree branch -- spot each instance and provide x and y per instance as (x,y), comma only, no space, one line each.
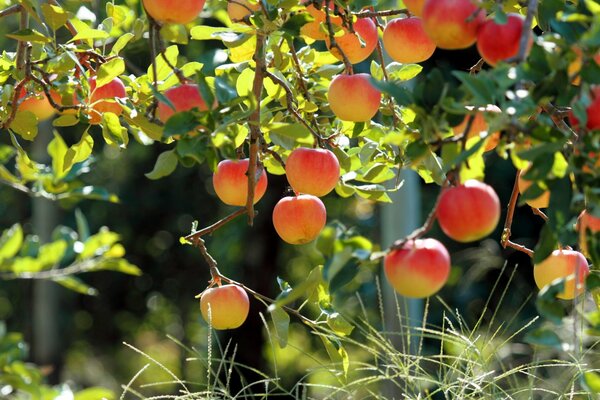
(10,10)
(505,240)
(192,237)
(385,13)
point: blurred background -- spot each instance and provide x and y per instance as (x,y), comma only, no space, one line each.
(80,338)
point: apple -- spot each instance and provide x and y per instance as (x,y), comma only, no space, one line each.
(351,44)
(498,42)
(240,9)
(319,14)
(353,98)
(563,264)
(406,42)
(419,269)
(586,222)
(541,201)
(468,212)
(452,24)
(231,182)
(415,6)
(38,104)
(592,110)
(299,219)
(479,126)
(184,98)
(98,96)
(312,171)
(168,11)
(228,304)
(575,66)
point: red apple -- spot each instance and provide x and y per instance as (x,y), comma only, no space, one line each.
(592,110)
(479,126)
(231,182)
(299,219)
(228,304)
(351,44)
(312,171)
(38,104)
(498,42)
(587,222)
(184,98)
(452,24)
(353,98)
(179,12)
(240,9)
(415,6)
(419,269)
(468,212)
(99,96)
(563,264)
(406,42)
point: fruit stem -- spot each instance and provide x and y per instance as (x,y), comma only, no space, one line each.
(505,239)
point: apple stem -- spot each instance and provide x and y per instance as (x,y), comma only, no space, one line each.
(505,240)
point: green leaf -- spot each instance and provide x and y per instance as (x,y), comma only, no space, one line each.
(281,323)
(11,241)
(121,42)
(120,265)
(25,124)
(591,381)
(79,152)
(83,228)
(547,304)
(76,285)
(29,35)
(109,71)
(98,244)
(544,337)
(50,254)
(304,289)
(55,16)
(57,149)
(338,324)
(162,68)
(337,353)
(181,123)
(403,72)
(95,393)
(546,244)
(84,32)
(165,165)
(92,193)
(112,131)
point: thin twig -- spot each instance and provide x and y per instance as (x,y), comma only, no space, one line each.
(532,6)
(505,240)
(77,268)
(10,10)
(385,13)
(333,44)
(210,229)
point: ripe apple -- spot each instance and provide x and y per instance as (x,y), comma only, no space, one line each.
(351,44)
(406,42)
(231,182)
(468,212)
(112,90)
(240,9)
(419,269)
(452,24)
(491,48)
(586,222)
(415,6)
(575,66)
(319,14)
(479,126)
(229,306)
(299,219)
(184,98)
(592,110)
(563,264)
(312,171)
(180,12)
(39,104)
(542,201)
(353,98)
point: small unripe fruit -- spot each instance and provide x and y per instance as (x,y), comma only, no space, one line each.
(312,171)
(541,201)
(228,304)
(112,90)
(563,264)
(452,24)
(468,212)
(299,219)
(498,42)
(231,182)
(419,269)
(406,42)
(351,44)
(353,98)
(184,98)
(180,12)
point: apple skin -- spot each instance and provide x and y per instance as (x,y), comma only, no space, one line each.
(231,182)
(542,201)
(586,222)
(493,50)
(561,264)
(184,98)
(312,171)
(415,6)
(479,126)
(419,269)
(468,212)
(111,90)
(180,12)
(229,306)
(240,9)
(351,44)
(353,98)
(445,21)
(593,111)
(405,40)
(39,104)
(299,219)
